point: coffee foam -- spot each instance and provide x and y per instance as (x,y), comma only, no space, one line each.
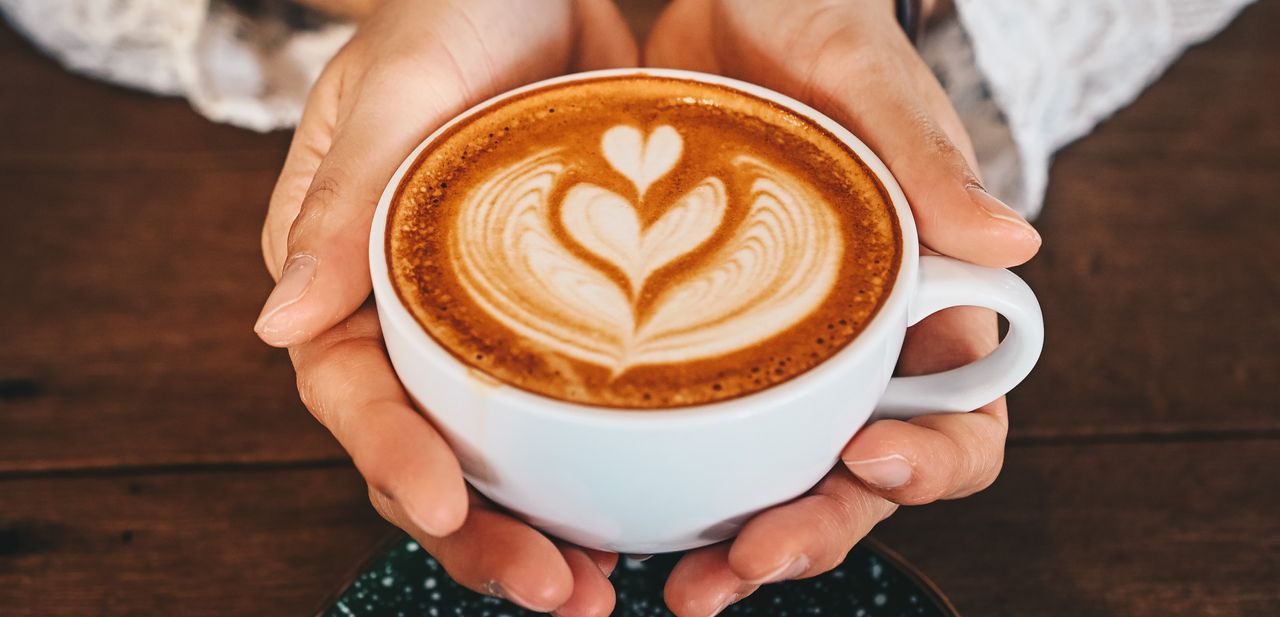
(682,244)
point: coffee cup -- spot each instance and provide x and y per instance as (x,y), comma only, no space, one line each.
(670,479)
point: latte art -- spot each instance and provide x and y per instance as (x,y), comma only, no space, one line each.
(775,267)
(659,249)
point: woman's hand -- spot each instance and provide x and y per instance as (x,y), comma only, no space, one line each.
(851,60)
(411,66)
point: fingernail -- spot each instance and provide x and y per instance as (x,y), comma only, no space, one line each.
(495,589)
(274,324)
(997,209)
(787,571)
(726,603)
(603,566)
(885,472)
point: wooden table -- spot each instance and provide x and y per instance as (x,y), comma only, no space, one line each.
(154,459)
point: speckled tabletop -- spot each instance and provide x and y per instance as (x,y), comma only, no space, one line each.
(872,582)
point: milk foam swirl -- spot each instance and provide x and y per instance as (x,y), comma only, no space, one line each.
(774,266)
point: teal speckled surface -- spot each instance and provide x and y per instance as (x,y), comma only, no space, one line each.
(406,582)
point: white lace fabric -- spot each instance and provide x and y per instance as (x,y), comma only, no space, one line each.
(1027,76)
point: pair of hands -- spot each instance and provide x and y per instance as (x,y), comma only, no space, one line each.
(414,64)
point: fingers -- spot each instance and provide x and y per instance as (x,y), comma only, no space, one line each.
(496,555)
(944,456)
(862,72)
(806,537)
(346,380)
(869,94)
(592,592)
(311,141)
(681,38)
(954,214)
(604,560)
(604,39)
(931,458)
(810,535)
(702,583)
(325,274)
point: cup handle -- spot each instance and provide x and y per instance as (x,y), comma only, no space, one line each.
(944,283)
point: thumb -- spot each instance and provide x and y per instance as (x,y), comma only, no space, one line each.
(954,214)
(325,276)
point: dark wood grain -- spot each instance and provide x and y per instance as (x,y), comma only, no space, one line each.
(1158,273)
(1130,530)
(131,280)
(203,543)
(154,459)
(132,271)
(1159,530)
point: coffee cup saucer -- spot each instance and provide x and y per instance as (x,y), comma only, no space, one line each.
(873,581)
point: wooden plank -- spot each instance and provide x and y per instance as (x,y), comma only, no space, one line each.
(1139,530)
(131,280)
(1167,530)
(1158,274)
(135,297)
(131,272)
(249,543)
(55,120)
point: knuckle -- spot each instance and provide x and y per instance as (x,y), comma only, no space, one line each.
(314,403)
(324,190)
(981,451)
(325,372)
(987,480)
(923,492)
(989,473)
(321,196)
(379,485)
(937,143)
(382,504)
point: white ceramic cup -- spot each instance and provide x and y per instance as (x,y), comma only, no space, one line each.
(666,480)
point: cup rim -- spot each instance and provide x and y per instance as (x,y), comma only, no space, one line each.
(777,396)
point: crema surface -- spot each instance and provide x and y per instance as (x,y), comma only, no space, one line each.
(641,242)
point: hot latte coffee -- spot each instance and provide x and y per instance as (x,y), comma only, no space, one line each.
(641,242)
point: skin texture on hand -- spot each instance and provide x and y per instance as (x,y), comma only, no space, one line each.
(414,64)
(411,66)
(851,60)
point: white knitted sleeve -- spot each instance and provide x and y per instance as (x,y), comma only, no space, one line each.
(1056,68)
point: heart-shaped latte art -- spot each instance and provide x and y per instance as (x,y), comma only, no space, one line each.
(642,159)
(775,266)
(606,224)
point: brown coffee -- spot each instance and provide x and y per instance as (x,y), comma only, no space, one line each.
(641,242)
